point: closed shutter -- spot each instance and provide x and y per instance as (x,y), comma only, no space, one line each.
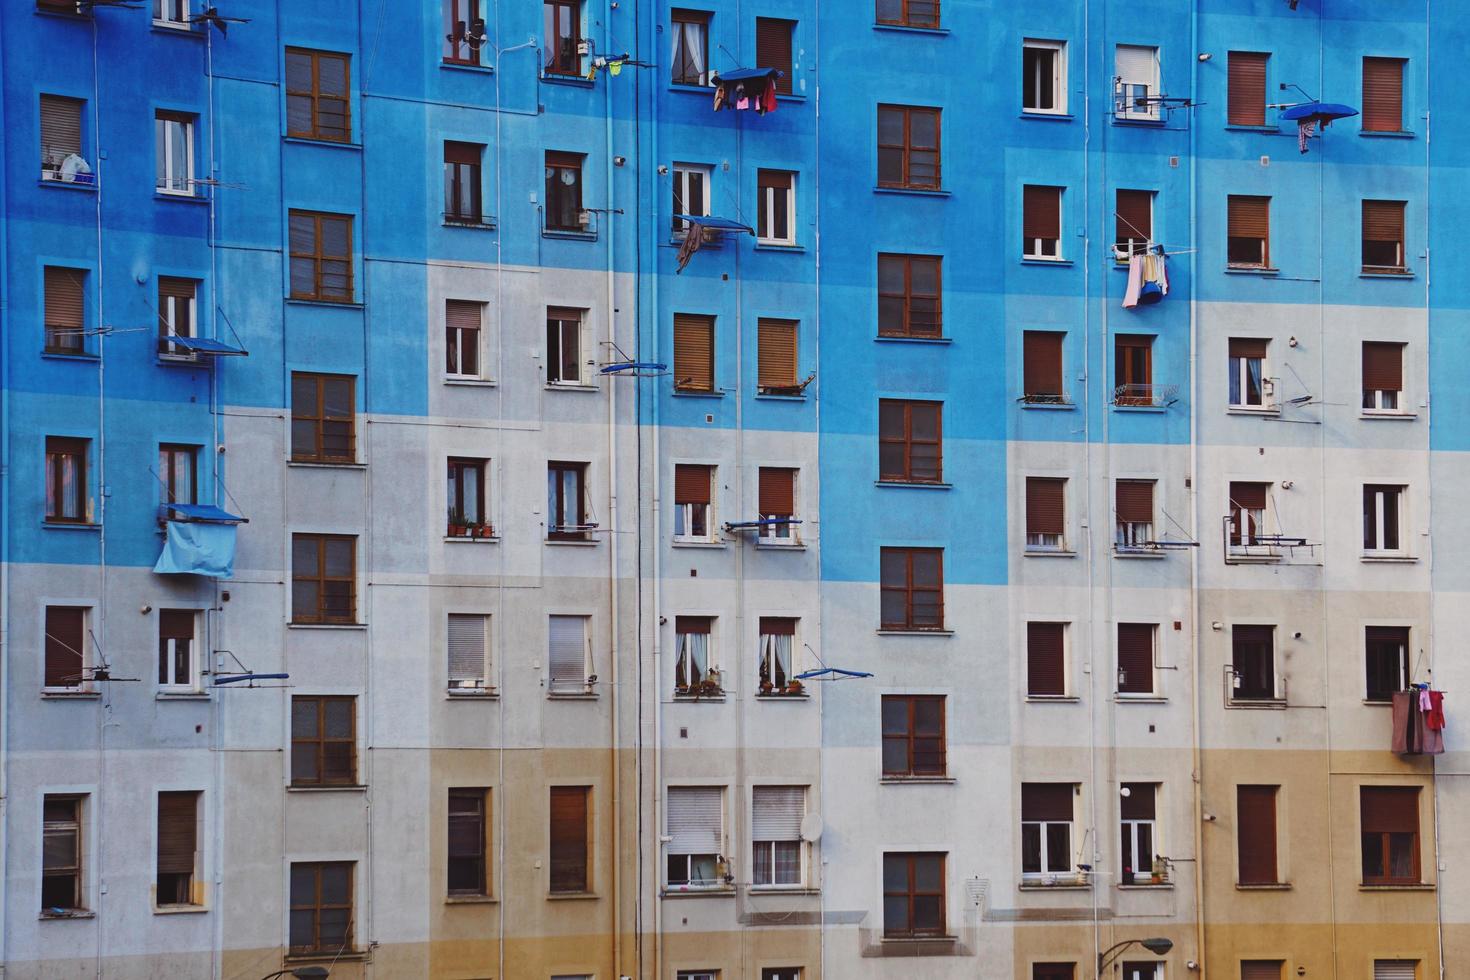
(695,822)
(61,129)
(692,484)
(1247,347)
(466,650)
(176,288)
(1260,970)
(1383,95)
(568,651)
(777,179)
(1248,496)
(461,315)
(778,811)
(1042,367)
(1255,834)
(64,303)
(1140,803)
(694,352)
(1383,221)
(569,838)
(1247,88)
(176,624)
(1135,216)
(1041,212)
(1395,969)
(1045,659)
(1383,366)
(1135,658)
(1045,512)
(1137,64)
(1047,801)
(777,490)
(462,152)
(1135,501)
(773,48)
(177,832)
(1250,217)
(777,354)
(778,626)
(1390,809)
(65,646)
(1053,971)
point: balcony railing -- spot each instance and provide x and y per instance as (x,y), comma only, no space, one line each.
(1145,396)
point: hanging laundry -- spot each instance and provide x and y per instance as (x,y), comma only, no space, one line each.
(1304,130)
(693,238)
(1434,715)
(1148,280)
(748,89)
(1135,281)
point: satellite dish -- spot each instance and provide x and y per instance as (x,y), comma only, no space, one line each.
(811,827)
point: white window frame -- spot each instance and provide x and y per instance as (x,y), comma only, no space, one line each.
(1385,402)
(1240,373)
(479,343)
(1035,248)
(1128,90)
(482,685)
(681,185)
(164,178)
(1141,876)
(685,516)
(585,685)
(553,358)
(801,845)
(191,684)
(1044,876)
(1402,493)
(1155,972)
(767,205)
(1058,51)
(712,669)
(690,883)
(168,313)
(164,16)
(1133,535)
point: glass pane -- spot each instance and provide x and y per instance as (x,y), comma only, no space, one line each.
(890,165)
(927,568)
(339,556)
(304,598)
(890,126)
(1058,847)
(1030,847)
(332,76)
(334,236)
(890,274)
(303,395)
(895,755)
(298,71)
(303,884)
(304,718)
(59,849)
(895,874)
(333,925)
(928,716)
(336,882)
(303,929)
(338,721)
(890,459)
(924,129)
(890,314)
(925,277)
(1372,856)
(1401,856)
(928,912)
(894,608)
(896,913)
(337,396)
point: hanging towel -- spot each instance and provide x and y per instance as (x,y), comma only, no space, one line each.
(1403,742)
(1135,282)
(198,549)
(1304,129)
(768,99)
(1163,276)
(1435,716)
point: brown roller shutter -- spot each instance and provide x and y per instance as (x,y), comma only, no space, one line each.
(1390,809)
(1260,970)
(1250,217)
(177,288)
(1041,212)
(773,48)
(1047,801)
(462,152)
(1139,803)
(779,179)
(777,490)
(1255,834)
(1135,216)
(177,832)
(569,838)
(1134,500)
(778,626)
(1383,366)
(1042,363)
(1247,347)
(1045,670)
(176,623)
(462,315)
(64,302)
(557,158)
(694,352)
(1383,95)
(692,484)
(65,646)
(1135,658)
(1247,88)
(692,624)
(776,350)
(1248,496)
(1045,513)
(61,128)
(1383,221)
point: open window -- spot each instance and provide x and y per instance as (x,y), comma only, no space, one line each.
(695,673)
(1047,812)
(1044,76)
(1249,388)
(1133,508)
(1138,858)
(569,660)
(1383,377)
(693,502)
(1253,664)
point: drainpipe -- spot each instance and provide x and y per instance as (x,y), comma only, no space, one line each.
(5,567)
(1196,750)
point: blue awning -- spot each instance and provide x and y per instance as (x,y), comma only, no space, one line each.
(715,224)
(745,74)
(203,345)
(830,672)
(1320,111)
(634,366)
(205,513)
(192,548)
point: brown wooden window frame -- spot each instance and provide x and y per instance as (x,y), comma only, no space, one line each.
(315,906)
(170,456)
(907,149)
(1256,844)
(318,260)
(313,747)
(320,578)
(176,866)
(926,753)
(700,376)
(72,137)
(1133,374)
(1253,663)
(912,894)
(562,57)
(466,842)
(316,97)
(67,878)
(1403,832)
(463,195)
(1041,222)
(908,590)
(65,662)
(1383,377)
(913,323)
(564,207)
(64,310)
(569,863)
(907,441)
(557,503)
(1245,100)
(63,507)
(1133,216)
(1046,659)
(1134,643)
(458,515)
(317,417)
(1046,514)
(452,20)
(923,14)
(777,350)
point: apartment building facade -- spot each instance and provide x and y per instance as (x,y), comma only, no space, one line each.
(988,511)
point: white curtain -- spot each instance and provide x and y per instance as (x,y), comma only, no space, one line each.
(693,664)
(694,42)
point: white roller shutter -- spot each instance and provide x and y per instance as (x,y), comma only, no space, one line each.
(568,652)
(1395,969)
(777,812)
(1138,65)
(466,650)
(696,819)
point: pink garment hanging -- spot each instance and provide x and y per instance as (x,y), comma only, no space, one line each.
(1135,282)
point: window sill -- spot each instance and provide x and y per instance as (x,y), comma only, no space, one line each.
(326,626)
(1257,704)
(900,339)
(575,81)
(572,896)
(181,696)
(1250,410)
(180,198)
(1141,409)
(708,891)
(1070,884)
(902,632)
(1251,270)
(1372,559)
(766,397)
(564,386)
(1152,122)
(1039,260)
(910,29)
(470,382)
(67,914)
(469,224)
(1378,702)
(1057,553)
(1052,699)
(1387,274)
(773,696)
(1414,887)
(914,484)
(552,543)
(791,247)
(461,66)
(699,698)
(774,890)
(1120,697)
(67,185)
(181,360)
(914,191)
(472,694)
(70,526)
(328,956)
(343,304)
(919,940)
(1390,416)
(468,539)
(1252,559)
(779,545)
(916,780)
(180,909)
(71,695)
(571,695)
(52,355)
(695,543)
(569,234)
(691,89)
(1272,886)
(1241,128)
(312,141)
(176,30)
(309,464)
(1391,134)
(1044,116)
(470,900)
(1129,554)
(1147,886)
(336,788)
(1048,406)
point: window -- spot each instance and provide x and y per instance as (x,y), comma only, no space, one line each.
(176,314)
(462,202)
(323,418)
(1046,660)
(690,30)
(773,44)
(1383,237)
(570,848)
(691,194)
(178,850)
(776,357)
(1041,368)
(694,352)
(563,35)
(696,836)
(1046,829)
(1136,672)
(781,973)
(321,907)
(1260,969)
(321,257)
(1044,76)
(467,856)
(1247,88)
(323,578)
(61,137)
(908,147)
(1136,970)
(1133,222)
(909,13)
(913,895)
(65,646)
(1382,515)
(67,499)
(178,649)
(1390,816)
(461,17)
(776,216)
(569,655)
(777,502)
(694,975)
(1053,971)
(1247,372)
(1134,509)
(694,669)
(1137,71)
(692,493)
(1041,222)
(178,469)
(1253,663)
(468,649)
(776,847)
(323,741)
(912,588)
(61,854)
(173,13)
(563,346)
(462,338)
(1248,517)
(466,490)
(909,298)
(1133,370)
(564,193)
(1136,806)
(910,441)
(65,305)
(317,95)
(777,638)
(1248,232)
(566,503)
(1383,376)
(173,145)
(1395,969)
(1383,95)
(1255,834)
(913,735)
(1387,657)
(1046,514)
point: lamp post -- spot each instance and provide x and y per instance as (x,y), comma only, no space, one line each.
(301,973)
(1155,945)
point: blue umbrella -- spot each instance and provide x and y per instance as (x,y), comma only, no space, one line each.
(1322,112)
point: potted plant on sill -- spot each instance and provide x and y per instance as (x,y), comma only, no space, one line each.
(767,687)
(456,530)
(483,530)
(794,686)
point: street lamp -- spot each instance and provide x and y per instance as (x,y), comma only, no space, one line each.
(301,973)
(1155,945)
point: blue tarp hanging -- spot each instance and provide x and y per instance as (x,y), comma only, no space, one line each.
(1323,112)
(746,74)
(205,512)
(203,345)
(198,548)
